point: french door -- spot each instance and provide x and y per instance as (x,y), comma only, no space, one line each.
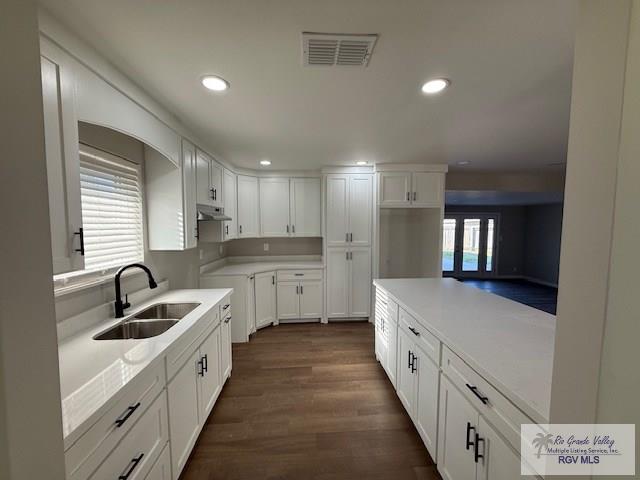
(469,245)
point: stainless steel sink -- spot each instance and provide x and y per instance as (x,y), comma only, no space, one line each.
(150,322)
(174,311)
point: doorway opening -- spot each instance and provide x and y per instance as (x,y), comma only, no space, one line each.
(469,245)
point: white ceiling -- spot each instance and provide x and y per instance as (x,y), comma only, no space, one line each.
(510,63)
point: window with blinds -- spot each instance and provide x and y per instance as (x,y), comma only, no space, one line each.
(111,209)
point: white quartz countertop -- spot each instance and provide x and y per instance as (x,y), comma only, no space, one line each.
(251,268)
(507,343)
(93,372)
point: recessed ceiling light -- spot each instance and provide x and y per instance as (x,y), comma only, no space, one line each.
(266,163)
(464,162)
(361,162)
(215,83)
(435,86)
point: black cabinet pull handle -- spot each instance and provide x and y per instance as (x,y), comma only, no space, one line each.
(301,289)
(408,196)
(134,464)
(414,331)
(130,410)
(226,306)
(414,366)
(475,391)
(273,279)
(228,319)
(80,233)
(201,365)
(415,195)
(205,365)
(293,229)
(409,364)
(227,228)
(469,443)
(476,450)
(287,228)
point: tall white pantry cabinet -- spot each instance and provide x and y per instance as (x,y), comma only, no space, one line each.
(348,234)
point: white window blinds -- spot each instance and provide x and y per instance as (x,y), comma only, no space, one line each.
(111,210)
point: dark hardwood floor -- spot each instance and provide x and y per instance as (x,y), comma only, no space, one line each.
(533,294)
(309,401)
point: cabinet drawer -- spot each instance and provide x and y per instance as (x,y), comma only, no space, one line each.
(134,457)
(184,347)
(293,275)
(496,408)
(429,343)
(225,307)
(92,447)
(162,468)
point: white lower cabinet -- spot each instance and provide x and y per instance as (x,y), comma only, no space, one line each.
(192,393)
(209,373)
(225,342)
(288,301)
(135,456)
(470,448)
(299,300)
(162,468)
(265,291)
(348,282)
(417,387)
(386,334)
(456,434)
(184,420)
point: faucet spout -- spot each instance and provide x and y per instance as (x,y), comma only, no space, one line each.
(120,306)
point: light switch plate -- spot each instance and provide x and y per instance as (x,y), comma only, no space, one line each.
(266,247)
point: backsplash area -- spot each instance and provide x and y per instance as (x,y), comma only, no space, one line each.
(255,247)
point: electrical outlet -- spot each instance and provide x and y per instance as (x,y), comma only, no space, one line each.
(266,247)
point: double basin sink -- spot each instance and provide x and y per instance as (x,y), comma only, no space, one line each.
(150,322)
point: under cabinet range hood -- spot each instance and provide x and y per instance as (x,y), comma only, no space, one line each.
(207,212)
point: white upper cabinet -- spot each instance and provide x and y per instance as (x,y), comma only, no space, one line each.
(209,181)
(248,219)
(63,163)
(428,189)
(204,191)
(290,207)
(230,205)
(360,200)
(274,207)
(337,209)
(304,209)
(349,209)
(216,187)
(189,194)
(418,189)
(394,188)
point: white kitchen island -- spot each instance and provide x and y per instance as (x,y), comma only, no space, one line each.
(469,366)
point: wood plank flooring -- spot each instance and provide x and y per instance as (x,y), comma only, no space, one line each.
(533,294)
(309,401)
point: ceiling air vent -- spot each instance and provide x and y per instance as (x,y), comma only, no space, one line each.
(331,49)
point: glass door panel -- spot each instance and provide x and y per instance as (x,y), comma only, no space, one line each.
(471,245)
(489,245)
(448,244)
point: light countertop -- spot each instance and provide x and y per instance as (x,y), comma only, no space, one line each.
(507,343)
(93,372)
(251,268)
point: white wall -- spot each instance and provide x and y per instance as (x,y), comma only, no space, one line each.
(594,132)
(30,413)
(619,392)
